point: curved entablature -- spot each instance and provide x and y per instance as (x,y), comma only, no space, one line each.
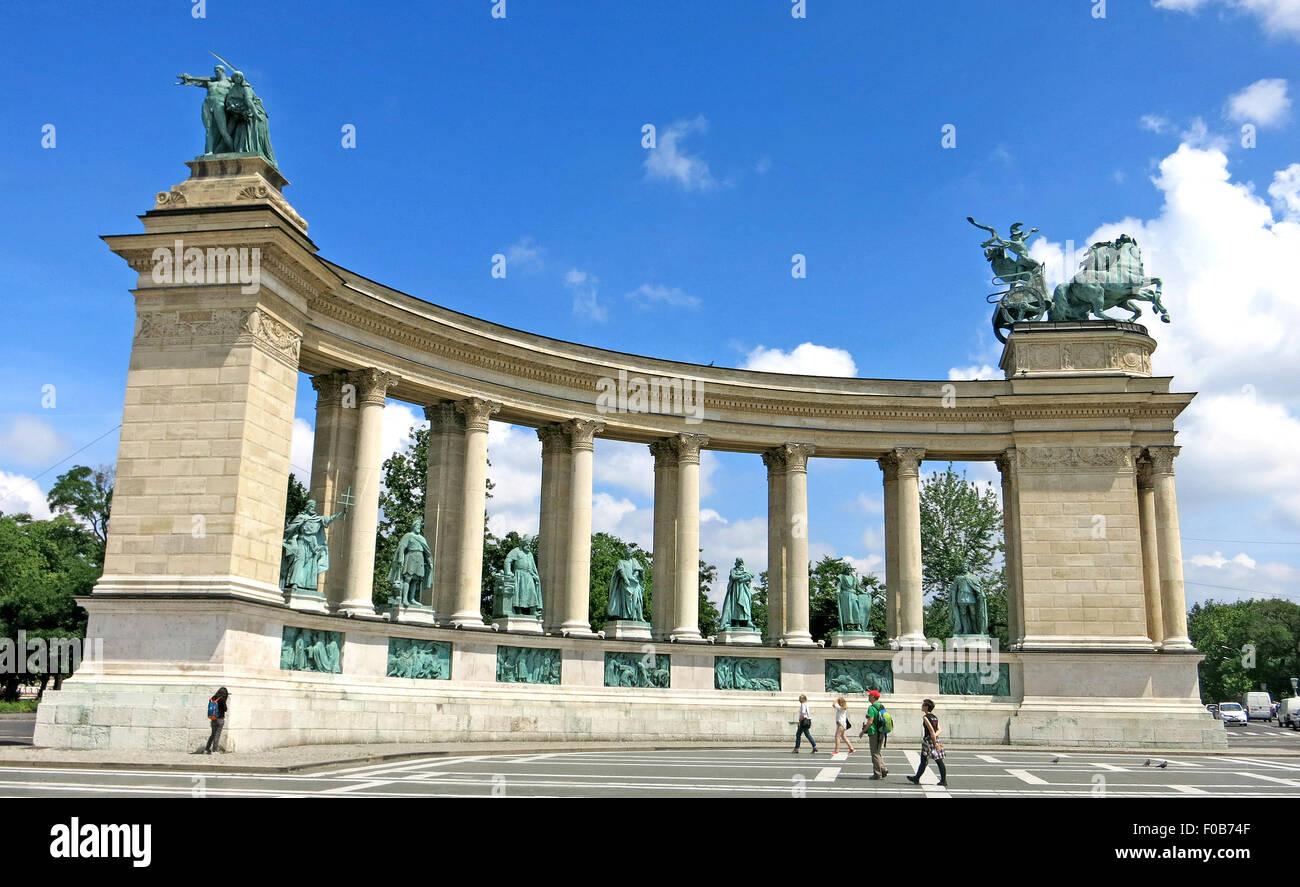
(441,354)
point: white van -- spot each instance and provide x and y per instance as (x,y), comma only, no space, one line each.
(1288,712)
(1258,705)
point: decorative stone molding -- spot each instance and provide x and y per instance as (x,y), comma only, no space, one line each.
(169,199)
(1081,349)
(582,433)
(902,462)
(554,438)
(796,456)
(214,326)
(254,192)
(1075,458)
(477,412)
(1007,462)
(329,387)
(688,447)
(281,339)
(373,385)
(1161,459)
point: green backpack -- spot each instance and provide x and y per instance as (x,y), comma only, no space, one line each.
(884,721)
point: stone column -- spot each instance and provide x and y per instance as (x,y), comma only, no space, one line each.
(1149,535)
(577,585)
(363,518)
(664,590)
(465,609)
(904,575)
(333,461)
(553,543)
(1013,554)
(774,459)
(1173,602)
(443,499)
(686,606)
(796,545)
(892,596)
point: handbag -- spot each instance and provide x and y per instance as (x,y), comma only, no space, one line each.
(805,723)
(936,753)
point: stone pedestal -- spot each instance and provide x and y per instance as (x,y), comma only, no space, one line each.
(627,630)
(412,615)
(307,601)
(519,624)
(739,636)
(852,639)
(1078,348)
(971,642)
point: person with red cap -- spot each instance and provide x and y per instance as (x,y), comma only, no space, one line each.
(877,734)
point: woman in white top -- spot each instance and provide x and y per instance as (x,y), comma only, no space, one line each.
(805,724)
(842,724)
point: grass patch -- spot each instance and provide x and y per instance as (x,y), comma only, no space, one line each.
(21,705)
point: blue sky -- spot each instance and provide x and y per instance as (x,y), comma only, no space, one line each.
(819,136)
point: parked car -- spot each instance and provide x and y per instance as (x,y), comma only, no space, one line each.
(1258,705)
(1213,710)
(1288,712)
(1232,713)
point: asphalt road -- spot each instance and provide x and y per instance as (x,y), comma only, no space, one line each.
(17,730)
(704,773)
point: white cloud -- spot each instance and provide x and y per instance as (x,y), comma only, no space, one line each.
(1279,18)
(648,296)
(1285,192)
(622,518)
(27,440)
(805,360)
(667,161)
(21,495)
(524,254)
(721,542)
(973,373)
(1198,135)
(1218,561)
(585,286)
(300,452)
(1264,102)
(625,465)
(1154,123)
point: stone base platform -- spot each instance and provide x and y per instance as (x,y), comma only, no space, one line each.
(738,636)
(857,639)
(519,624)
(162,659)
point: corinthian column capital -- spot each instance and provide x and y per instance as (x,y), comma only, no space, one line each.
(774,459)
(1006,462)
(1161,459)
(444,417)
(582,433)
(903,461)
(477,412)
(796,456)
(329,387)
(665,454)
(554,438)
(688,447)
(373,384)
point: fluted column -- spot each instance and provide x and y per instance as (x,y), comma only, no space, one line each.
(774,459)
(466,608)
(372,391)
(796,545)
(686,606)
(664,589)
(577,586)
(334,452)
(1149,536)
(904,463)
(1173,601)
(553,543)
(443,499)
(1015,567)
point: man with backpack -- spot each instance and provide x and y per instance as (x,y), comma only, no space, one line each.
(217,708)
(877,724)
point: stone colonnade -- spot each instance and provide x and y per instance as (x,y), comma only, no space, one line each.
(347,456)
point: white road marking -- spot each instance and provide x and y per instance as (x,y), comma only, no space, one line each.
(840,756)
(1290,782)
(1026,776)
(1108,766)
(827,774)
(1189,789)
(990,759)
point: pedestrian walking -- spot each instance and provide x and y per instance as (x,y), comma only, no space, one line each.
(218,705)
(931,748)
(805,726)
(877,725)
(842,725)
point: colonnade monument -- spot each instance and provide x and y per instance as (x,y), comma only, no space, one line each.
(207,582)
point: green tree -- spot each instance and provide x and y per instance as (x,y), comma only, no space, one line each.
(709,615)
(295,500)
(606,551)
(44,565)
(823,599)
(88,495)
(961,528)
(1246,644)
